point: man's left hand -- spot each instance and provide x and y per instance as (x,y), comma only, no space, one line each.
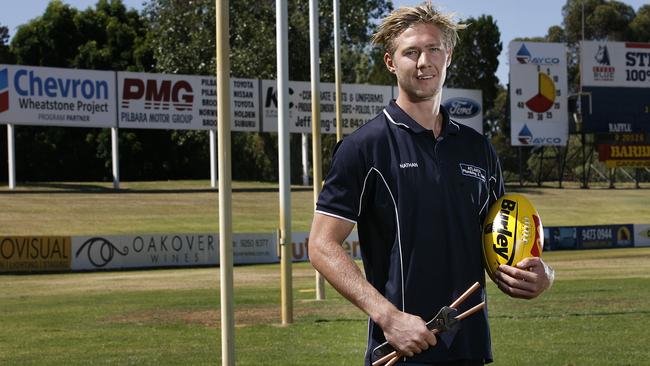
(527,280)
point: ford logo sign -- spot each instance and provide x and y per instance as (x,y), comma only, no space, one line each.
(462,107)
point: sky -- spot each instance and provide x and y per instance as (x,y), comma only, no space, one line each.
(515,18)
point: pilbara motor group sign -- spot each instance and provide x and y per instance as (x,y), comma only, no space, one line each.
(46,96)
(183,102)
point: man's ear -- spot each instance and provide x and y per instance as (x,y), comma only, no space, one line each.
(451,53)
(388,60)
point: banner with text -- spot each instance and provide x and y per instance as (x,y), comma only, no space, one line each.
(615,64)
(538,94)
(35,253)
(589,237)
(142,251)
(187,102)
(616,86)
(45,96)
(605,236)
(360,103)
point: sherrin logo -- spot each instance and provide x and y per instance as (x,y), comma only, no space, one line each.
(4,90)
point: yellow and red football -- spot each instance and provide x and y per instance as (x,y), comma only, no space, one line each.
(512,231)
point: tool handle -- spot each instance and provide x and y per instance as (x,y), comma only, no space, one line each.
(394,356)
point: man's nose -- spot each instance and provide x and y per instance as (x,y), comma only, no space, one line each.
(425,60)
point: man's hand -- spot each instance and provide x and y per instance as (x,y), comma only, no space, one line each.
(527,280)
(407,333)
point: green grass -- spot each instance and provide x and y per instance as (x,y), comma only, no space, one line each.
(191,206)
(596,314)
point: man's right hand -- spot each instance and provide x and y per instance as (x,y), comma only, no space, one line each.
(407,333)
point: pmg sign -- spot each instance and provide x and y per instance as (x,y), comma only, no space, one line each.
(46,96)
(159,101)
(158,94)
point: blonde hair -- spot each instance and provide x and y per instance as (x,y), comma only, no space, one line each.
(403,18)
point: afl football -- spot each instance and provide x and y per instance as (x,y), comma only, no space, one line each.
(512,231)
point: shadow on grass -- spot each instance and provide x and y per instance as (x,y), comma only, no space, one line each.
(578,315)
(85,188)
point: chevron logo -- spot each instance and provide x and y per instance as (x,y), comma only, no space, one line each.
(4,90)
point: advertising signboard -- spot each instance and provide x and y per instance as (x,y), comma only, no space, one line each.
(605,236)
(254,248)
(45,96)
(615,81)
(465,106)
(360,103)
(183,102)
(35,253)
(141,251)
(538,94)
(642,235)
(558,237)
(616,156)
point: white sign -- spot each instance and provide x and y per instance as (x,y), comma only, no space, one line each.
(163,101)
(183,102)
(161,250)
(254,248)
(642,235)
(360,103)
(245,105)
(538,94)
(465,106)
(617,64)
(46,96)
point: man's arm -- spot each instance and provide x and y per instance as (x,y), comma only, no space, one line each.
(405,332)
(527,280)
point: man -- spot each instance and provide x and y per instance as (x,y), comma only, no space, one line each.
(403,179)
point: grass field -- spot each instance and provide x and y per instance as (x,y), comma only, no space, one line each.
(597,313)
(190,206)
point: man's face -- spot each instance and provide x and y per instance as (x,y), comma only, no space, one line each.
(420,62)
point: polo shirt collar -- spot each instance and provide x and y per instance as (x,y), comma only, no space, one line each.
(397,116)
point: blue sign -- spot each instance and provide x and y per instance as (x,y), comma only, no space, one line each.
(588,237)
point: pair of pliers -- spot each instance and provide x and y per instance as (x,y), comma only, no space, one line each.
(444,321)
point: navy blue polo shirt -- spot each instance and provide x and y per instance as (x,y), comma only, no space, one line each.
(419,203)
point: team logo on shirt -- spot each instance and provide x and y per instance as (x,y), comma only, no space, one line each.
(472,171)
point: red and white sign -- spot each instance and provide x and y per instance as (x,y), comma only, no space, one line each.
(615,64)
(538,94)
(183,102)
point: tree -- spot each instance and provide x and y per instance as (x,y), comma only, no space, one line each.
(253,55)
(5,52)
(602,20)
(475,59)
(640,26)
(106,37)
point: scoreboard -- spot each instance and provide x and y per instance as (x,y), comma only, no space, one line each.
(615,78)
